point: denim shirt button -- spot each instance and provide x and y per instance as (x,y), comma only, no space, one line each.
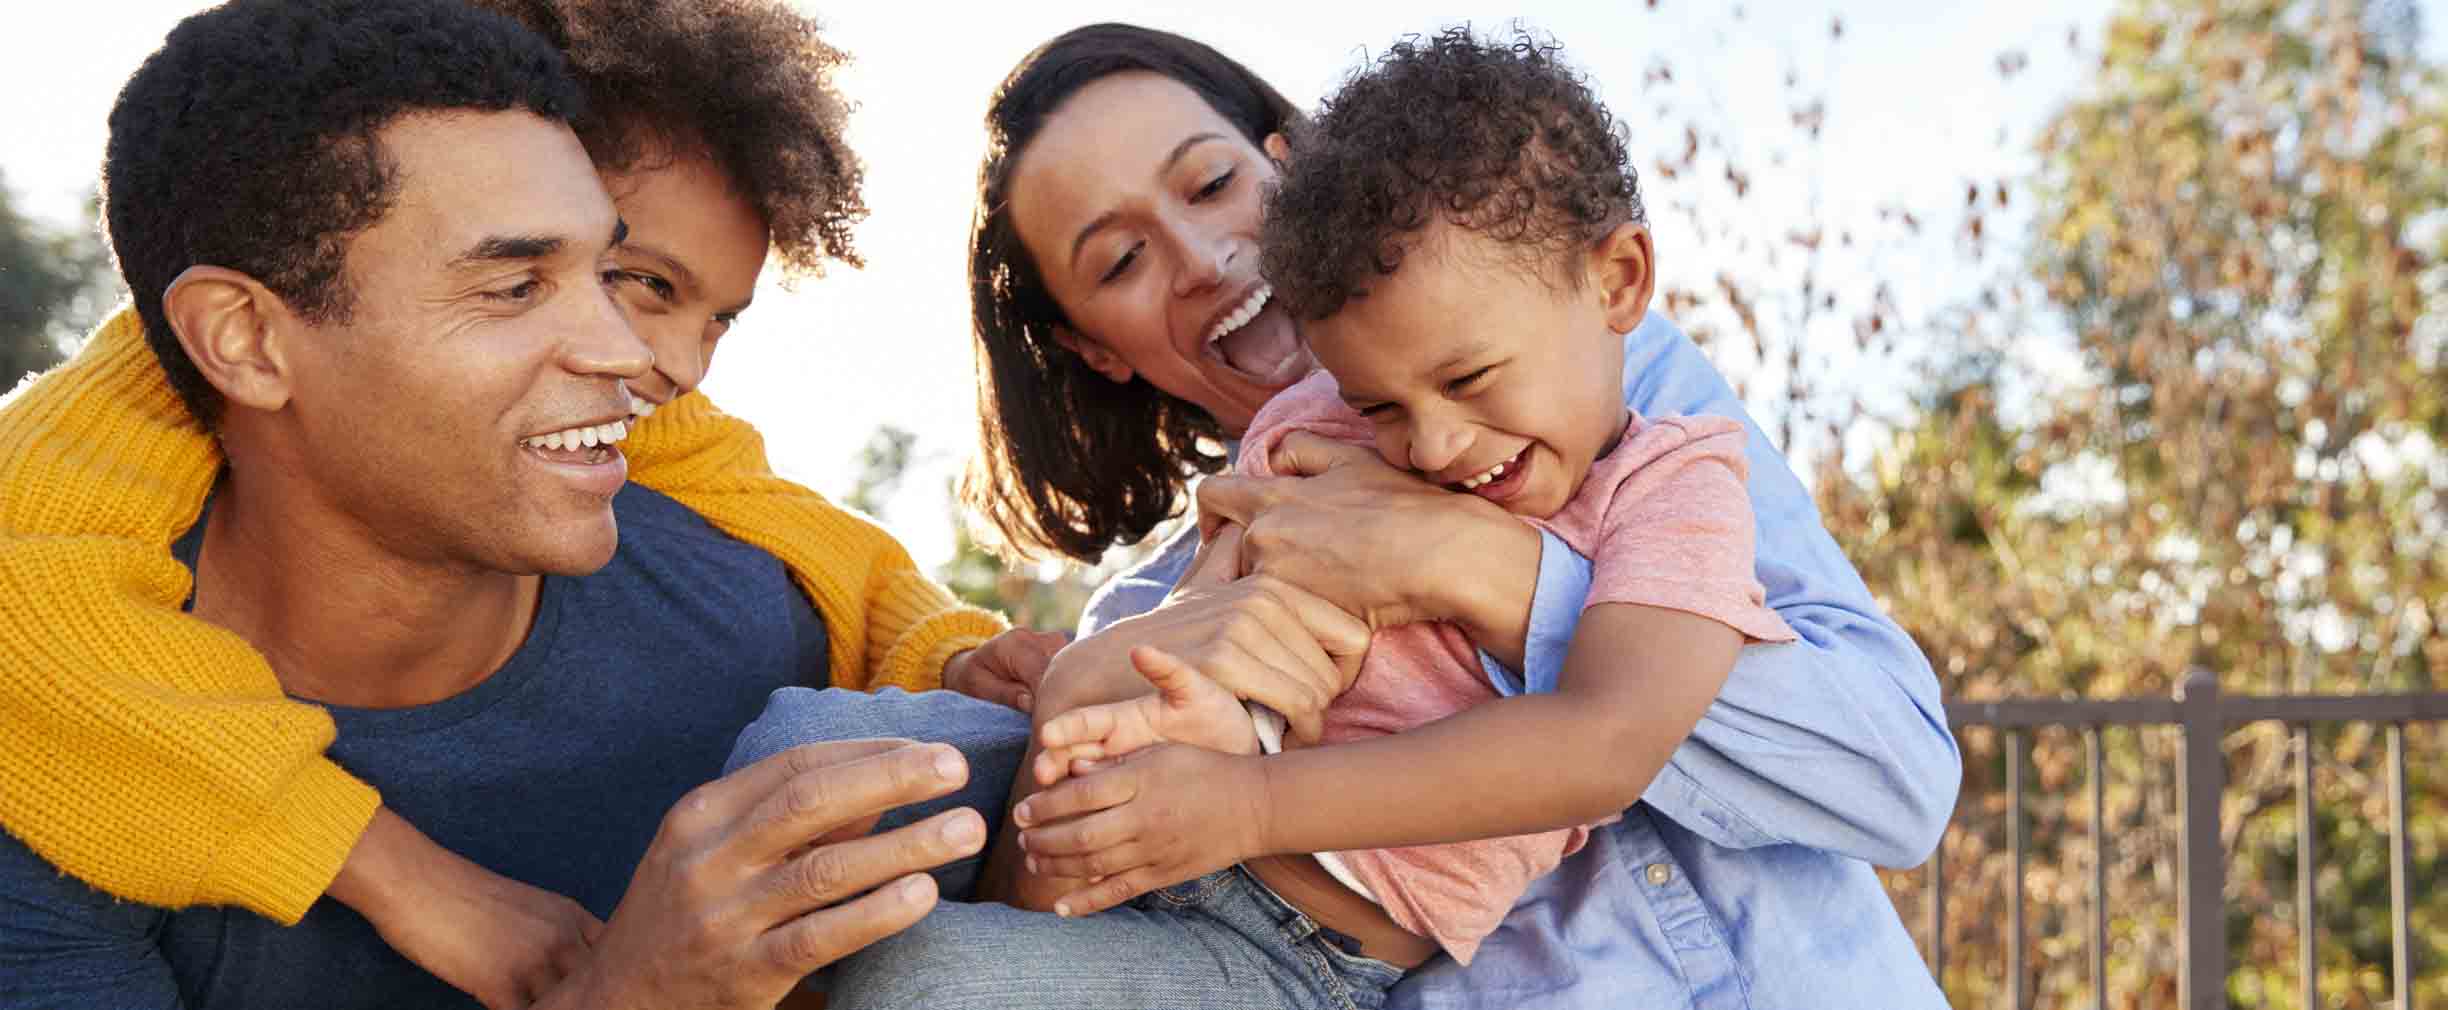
(1659,874)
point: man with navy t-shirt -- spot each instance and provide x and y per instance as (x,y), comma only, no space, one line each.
(541,667)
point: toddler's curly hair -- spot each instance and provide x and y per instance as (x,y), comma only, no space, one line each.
(1500,137)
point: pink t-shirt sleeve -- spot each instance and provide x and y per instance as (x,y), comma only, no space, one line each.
(1677,532)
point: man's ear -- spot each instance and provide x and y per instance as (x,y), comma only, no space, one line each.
(1623,268)
(230,325)
(1277,147)
(1100,359)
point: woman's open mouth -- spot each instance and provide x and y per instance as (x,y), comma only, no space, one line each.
(1258,342)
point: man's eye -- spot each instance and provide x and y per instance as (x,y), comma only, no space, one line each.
(519,292)
(1463,384)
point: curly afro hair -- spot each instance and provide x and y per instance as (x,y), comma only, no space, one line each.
(1500,137)
(249,141)
(745,83)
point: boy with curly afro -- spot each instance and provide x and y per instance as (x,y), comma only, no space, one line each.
(1462,236)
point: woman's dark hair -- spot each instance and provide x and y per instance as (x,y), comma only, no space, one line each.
(747,84)
(1068,459)
(249,141)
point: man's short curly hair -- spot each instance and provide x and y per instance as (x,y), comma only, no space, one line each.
(746,83)
(1500,137)
(249,141)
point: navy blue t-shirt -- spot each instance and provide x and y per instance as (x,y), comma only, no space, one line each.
(556,771)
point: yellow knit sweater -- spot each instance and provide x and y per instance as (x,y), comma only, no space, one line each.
(154,755)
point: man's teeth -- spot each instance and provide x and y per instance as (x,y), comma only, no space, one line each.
(583,438)
(1473,483)
(1241,316)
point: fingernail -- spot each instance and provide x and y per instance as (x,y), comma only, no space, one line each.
(1025,699)
(1032,864)
(1022,813)
(948,765)
(913,890)
(962,832)
(1062,908)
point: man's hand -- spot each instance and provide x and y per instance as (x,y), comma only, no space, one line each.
(1007,668)
(1187,708)
(1159,817)
(761,877)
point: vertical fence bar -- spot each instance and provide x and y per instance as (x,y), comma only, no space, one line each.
(1937,912)
(2099,868)
(2203,985)
(2014,845)
(2401,938)
(2307,866)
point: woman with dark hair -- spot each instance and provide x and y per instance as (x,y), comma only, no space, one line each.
(1126,339)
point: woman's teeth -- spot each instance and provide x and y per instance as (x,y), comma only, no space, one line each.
(584,438)
(1481,479)
(1241,315)
(641,407)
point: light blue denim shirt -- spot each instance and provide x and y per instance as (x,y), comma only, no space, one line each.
(1743,878)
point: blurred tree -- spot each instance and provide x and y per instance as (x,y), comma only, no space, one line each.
(2243,226)
(1044,596)
(53,287)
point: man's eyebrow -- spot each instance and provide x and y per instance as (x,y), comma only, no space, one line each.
(1171,158)
(497,248)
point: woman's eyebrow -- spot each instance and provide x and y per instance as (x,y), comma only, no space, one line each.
(1172,158)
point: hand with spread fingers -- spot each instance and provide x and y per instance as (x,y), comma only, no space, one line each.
(1187,708)
(766,875)
(1160,816)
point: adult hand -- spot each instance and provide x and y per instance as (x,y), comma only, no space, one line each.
(500,941)
(1262,638)
(1006,669)
(761,877)
(1376,541)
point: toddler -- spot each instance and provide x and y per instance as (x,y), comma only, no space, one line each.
(1462,236)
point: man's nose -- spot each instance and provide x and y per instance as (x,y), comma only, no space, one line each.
(603,343)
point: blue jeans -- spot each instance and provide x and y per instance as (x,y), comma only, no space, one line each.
(1221,942)
(992,737)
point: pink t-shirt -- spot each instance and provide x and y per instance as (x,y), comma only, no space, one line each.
(1665,522)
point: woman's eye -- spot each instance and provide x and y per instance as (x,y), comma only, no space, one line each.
(1219,184)
(1122,265)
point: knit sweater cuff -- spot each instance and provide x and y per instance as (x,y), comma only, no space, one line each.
(287,858)
(916,662)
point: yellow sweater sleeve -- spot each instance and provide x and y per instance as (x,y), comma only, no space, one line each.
(149,753)
(154,755)
(890,625)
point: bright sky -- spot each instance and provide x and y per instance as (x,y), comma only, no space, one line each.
(1918,103)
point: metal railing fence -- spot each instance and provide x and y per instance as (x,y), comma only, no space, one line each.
(2202,715)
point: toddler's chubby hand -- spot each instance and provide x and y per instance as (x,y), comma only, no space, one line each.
(1007,668)
(1161,816)
(1187,708)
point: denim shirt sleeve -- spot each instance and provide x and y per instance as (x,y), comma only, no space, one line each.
(64,944)
(1837,741)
